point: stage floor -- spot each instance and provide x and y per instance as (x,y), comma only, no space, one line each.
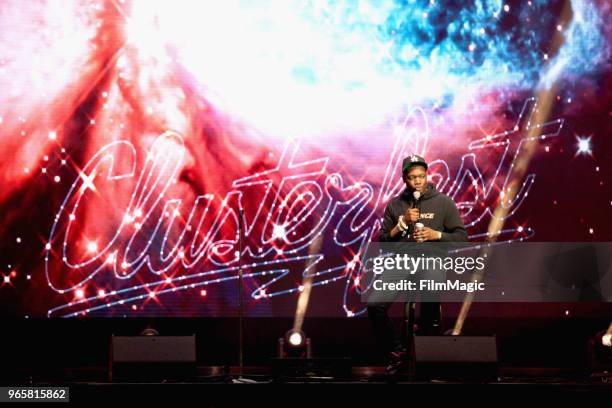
(217,386)
(373,388)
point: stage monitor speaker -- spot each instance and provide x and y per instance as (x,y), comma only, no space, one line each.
(459,358)
(152,358)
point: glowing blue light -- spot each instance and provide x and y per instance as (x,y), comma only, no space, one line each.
(584,146)
(310,67)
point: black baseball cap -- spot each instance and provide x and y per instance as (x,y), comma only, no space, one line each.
(413,160)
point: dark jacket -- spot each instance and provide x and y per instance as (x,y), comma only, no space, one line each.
(438,212)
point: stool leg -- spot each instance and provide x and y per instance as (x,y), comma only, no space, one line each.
(409,320)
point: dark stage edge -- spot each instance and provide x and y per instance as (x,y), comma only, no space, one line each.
(213,386)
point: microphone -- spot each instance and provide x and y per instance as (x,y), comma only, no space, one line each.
(417,226)
(416,195)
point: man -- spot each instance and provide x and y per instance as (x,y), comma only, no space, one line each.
(442,223)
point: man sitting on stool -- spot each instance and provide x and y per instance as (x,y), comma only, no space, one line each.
(442,222)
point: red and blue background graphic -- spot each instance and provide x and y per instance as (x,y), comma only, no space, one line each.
(133,132)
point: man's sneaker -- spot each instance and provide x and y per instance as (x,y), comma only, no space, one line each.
(396,363)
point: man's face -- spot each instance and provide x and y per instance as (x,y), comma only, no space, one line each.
(416,178)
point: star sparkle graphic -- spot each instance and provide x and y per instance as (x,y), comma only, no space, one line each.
(584,146)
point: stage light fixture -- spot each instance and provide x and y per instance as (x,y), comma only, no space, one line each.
(600,356)
(296,339)
(149,331)
(606,340)
(294,344)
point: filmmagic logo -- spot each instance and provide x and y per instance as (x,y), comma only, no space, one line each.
(410,264)
(429,286)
